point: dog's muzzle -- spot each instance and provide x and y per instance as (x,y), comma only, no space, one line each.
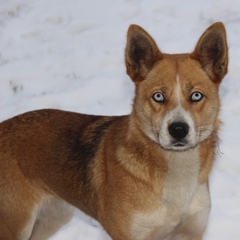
(179,132)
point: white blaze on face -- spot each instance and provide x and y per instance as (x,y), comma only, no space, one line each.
(178,91)
(177,115)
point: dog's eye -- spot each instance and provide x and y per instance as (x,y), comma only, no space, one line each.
(196,97)
(158,97)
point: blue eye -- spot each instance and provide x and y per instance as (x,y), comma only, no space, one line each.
(196,97)
(158,97)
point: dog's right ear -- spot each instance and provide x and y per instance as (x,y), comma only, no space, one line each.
(141,53)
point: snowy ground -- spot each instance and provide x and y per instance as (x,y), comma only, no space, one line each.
(70,55)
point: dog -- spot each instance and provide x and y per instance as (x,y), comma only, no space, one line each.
(143,176)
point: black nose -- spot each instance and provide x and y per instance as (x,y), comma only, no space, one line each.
(178,130)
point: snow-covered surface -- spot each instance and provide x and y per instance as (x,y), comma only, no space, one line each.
(70,55)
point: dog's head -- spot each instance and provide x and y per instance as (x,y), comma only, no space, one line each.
(176,102)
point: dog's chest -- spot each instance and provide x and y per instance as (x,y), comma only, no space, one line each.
(178,199)
(181,180)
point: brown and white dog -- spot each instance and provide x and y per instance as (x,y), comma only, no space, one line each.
(143,176)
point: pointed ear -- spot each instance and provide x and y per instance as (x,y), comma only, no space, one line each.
(212,52)
(141,53)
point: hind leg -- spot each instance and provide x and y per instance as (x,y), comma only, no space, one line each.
(17,227)
(18,205)
(53,215)
(17,218)
(5,231)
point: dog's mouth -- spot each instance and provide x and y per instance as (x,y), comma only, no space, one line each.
(178,146)
(182,145)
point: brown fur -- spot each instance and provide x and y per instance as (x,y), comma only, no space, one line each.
(113,168)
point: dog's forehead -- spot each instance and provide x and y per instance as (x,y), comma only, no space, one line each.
(176,68)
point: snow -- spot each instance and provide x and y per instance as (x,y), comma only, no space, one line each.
(70,55)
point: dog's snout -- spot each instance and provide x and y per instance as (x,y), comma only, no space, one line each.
(178,130)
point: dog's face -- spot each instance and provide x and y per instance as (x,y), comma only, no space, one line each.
(176,102)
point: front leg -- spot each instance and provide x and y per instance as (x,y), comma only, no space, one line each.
(197,220)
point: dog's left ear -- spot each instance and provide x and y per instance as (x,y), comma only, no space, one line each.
(141,53)
(212,52)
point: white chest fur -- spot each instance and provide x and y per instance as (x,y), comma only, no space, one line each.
(181,180)
(183,201)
